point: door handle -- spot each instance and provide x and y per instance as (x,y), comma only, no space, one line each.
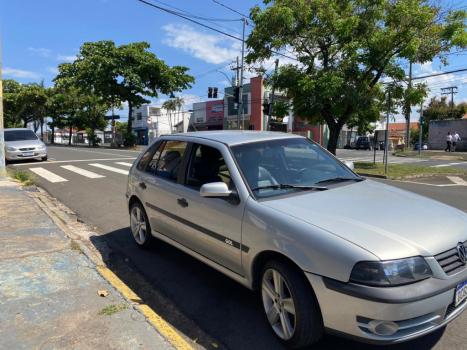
(142,185)
(182,202)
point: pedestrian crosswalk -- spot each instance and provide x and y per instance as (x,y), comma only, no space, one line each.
(50,175)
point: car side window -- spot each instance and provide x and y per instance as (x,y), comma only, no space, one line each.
(207,165)
(149,156)
(167,160)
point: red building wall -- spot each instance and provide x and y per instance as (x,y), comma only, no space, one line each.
(256,103)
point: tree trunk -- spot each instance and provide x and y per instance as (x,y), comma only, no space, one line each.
(407,132)
(42,130)
(70,135)
(334,131)
(130,117)
(52,129)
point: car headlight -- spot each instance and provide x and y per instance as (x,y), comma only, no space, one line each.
(11,149)
(391,272)
(41,146)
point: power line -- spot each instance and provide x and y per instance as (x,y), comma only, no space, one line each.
(231,9)
(188,19)
(439,74)
(175,13)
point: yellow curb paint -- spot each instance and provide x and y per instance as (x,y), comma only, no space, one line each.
(162,326)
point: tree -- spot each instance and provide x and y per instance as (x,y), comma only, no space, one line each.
(345,47)
(170,106)
(56,109)
(12,104)
(127,73)
(92,113)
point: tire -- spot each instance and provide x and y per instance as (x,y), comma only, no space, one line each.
(142,235)
(307,324)
(44,159)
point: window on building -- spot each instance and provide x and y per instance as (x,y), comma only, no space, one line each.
(139,115)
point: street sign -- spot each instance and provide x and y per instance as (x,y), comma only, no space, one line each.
(111,117)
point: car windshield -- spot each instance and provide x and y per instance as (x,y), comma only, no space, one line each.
(19,135)
(289,165)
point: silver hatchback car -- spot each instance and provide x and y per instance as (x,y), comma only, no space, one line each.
(21,143)
(328,250)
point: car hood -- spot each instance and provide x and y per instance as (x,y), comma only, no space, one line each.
(24,144)
(388,222)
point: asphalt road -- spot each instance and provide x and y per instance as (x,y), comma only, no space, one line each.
(226,311)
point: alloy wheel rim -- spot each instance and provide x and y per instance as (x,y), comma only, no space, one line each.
(138,225)
(278,303)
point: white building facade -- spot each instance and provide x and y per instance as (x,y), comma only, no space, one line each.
(151,121)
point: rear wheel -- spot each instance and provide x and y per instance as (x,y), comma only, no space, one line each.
(139,225)
(290,305)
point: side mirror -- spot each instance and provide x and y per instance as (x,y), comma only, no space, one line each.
(349,165)
(215,189)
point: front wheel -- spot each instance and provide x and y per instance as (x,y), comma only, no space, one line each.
(290,305)
(44,158)
(139,225)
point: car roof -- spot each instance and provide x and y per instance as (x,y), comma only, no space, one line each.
(236,137)
(16,129)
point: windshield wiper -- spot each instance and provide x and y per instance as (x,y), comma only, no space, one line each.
(285,186)
(341,179)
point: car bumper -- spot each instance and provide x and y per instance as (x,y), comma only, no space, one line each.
(18,155)
(407,312)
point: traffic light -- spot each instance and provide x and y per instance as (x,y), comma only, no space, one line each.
(237,94)
(214,93)
(266,107)
(209,92)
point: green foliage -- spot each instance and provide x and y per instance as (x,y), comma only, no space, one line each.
(122,73)
(280,109)
(345,47)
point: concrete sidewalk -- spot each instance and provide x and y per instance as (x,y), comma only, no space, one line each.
(49,288)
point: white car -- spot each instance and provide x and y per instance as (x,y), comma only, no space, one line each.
(23,144)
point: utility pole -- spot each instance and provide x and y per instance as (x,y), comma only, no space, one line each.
(420,131)
(408,110)
(2,130)
(450,90)
(271,103)
(386,136)
(240,90)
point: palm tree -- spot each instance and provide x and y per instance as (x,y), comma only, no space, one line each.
(170,106)
(179,102)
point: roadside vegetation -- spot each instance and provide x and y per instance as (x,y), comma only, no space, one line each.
(435,155)
(401,171)
(112,309)
(23,176)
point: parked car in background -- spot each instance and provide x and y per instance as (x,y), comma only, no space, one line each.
(364,142)
(416,146)
(281,215)
(23,143)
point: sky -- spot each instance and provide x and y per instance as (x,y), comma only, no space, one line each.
(39,35)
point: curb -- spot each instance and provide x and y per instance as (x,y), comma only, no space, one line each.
(61,215)
(373,175)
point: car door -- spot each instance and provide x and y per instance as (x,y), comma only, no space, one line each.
(212,226)
(161,190)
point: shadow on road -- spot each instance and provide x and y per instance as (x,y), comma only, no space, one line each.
(226,311)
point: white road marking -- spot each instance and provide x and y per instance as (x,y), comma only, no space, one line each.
(83,172)
(444,165)
(110,168)
(75,161)
(457,180)
(48,175)
(124,163)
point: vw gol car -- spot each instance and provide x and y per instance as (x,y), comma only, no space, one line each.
(23,143)
(328,250)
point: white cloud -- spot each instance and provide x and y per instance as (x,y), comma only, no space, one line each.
(41,51)
(20,73)
(207,47)
(53,70)
(66,58)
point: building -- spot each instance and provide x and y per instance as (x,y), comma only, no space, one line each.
(440,128)
(150,121)
(208,115)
